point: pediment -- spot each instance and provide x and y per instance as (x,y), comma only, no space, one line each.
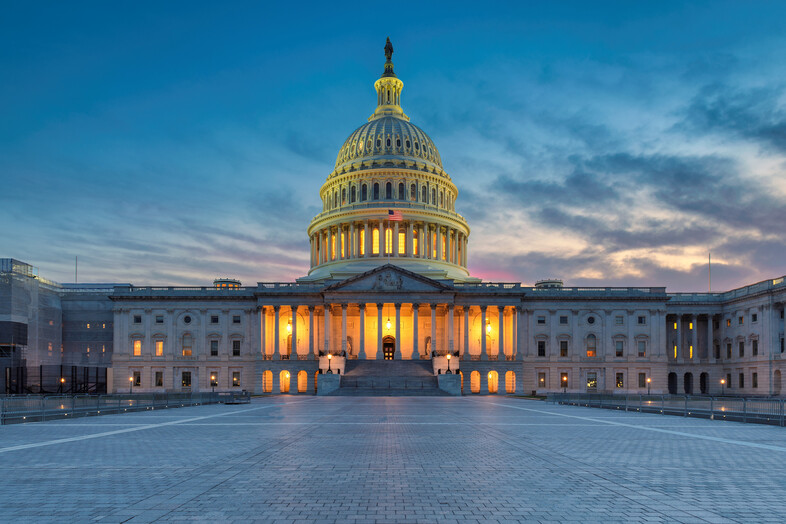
(388,278)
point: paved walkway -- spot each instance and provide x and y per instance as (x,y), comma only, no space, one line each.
(333,459)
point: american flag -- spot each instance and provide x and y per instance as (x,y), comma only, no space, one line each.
(394,215)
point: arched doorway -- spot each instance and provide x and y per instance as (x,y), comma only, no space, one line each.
(672,383)
(283,382)
(474,381)
(493,381)
(687,383)
(267,381)
(704,380)
(776,382)
(302,381)
(510,382)
(388,347)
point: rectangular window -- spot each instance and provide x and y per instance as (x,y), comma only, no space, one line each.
(159,319)
(742,380)
(541,320)
(137,348)
(402,243)
(137,319)
(563,348)
(728,350)
(137,379)
(185,379)
(754,317)
(236,319)
(159,382)
(541,380)
(642,348)
(236,379)
(717,351)
(642,320)
(642,380)
(235,348)
(620,380)
(716,324)
(755,347)
(563,380)
(755,380)
(563,320)
(782,346)
(690,325)
(741,320)
(88,325)
(742,349)
(214,319)
(619,320)
(619,348)
(541,348)
(728,380)
(214,348)
(728,322)
(159,348)
(213,379)
(592,380)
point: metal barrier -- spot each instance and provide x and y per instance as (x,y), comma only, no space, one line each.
(38,408)
(739,409)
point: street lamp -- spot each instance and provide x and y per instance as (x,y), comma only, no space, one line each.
(448,355)
(723,385)
(564,383)
(130,384)
(62,384)
(330,357)
(648,385)
(213,382)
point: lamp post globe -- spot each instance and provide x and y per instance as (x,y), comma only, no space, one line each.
(213,382)
(130,384)
(649,380)
(330,357)
(448,357)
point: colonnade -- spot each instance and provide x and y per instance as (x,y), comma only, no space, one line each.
(493,332)
(380,238)
(683,338)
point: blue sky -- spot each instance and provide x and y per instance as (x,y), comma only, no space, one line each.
(611,143)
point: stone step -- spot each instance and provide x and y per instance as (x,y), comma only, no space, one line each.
(376,392)
(388,368)
(389,382)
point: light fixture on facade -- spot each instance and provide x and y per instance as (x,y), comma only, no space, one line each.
(289,327)
(488,327)
(388,323)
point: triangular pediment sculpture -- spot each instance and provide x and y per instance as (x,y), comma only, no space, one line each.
(388,278)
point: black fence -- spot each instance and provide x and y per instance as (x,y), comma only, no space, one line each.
(38,408)
(738,409)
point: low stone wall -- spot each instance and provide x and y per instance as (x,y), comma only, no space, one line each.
(450,384)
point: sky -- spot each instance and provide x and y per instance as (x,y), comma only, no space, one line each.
(604,143)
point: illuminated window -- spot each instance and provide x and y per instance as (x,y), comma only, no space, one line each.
(137,379)
(433,245)
(137,348)
(728,322)
(474,382)
(564,382)
(493,381)
(159,348)
(388,240)
(619,380)
(690,325)
(159,379)
(235,348)
(283,381)
(185,379)
(333,247)
(236,379)
(267,381)
(187,344)
(675,350)
(375,241)
(591,345)
(619,348)
(343,244)
(88,325)
(415,242)
(214,348)
(675,325)
(402,243)
(541,380)
(362,242)
(592,380)
(510,382)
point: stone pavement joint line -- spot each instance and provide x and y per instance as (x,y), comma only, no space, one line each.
(386,459)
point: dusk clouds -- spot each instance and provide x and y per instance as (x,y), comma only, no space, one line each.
(605,146)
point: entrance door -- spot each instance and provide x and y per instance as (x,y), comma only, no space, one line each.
(388,347)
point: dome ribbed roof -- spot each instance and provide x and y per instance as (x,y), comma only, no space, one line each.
(388,140)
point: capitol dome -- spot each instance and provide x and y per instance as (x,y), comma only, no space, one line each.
(388,200)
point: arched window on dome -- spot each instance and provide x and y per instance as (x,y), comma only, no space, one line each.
(353,193)
(407,144)
(417,147)
(413,193)
(388,191)
(343,196)
(379,143)
(375,241)
(388,143)
(369,144)
(364,193)
(398,143)
(424,195)
(402,192)
(335,199)
(433,197)
(441,199)
(376,191)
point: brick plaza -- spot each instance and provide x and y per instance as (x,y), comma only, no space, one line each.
(382,459)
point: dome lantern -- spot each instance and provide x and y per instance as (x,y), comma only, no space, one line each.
(388,90)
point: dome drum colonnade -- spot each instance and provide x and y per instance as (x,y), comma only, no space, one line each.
(421,330)
(388,165)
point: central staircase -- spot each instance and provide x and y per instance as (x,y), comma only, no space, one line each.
(388,378)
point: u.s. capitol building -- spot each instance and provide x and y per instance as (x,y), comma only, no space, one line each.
(388,282)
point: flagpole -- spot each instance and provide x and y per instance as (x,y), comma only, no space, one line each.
(709,271)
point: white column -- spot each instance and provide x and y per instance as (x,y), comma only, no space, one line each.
(516,334)
(433,327)
(293,350)
(439,242)
(415,341)
(380,356)
(501,353)
(311,330)
(395,254)
(277,339)
(262,330)
(344,329)
(366,240)
(397,354)
(450,329)
(710,348)
(351,242)
(408,247)
(327,329)
(362,350)
(483,354)
(694,337)
(465,355)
